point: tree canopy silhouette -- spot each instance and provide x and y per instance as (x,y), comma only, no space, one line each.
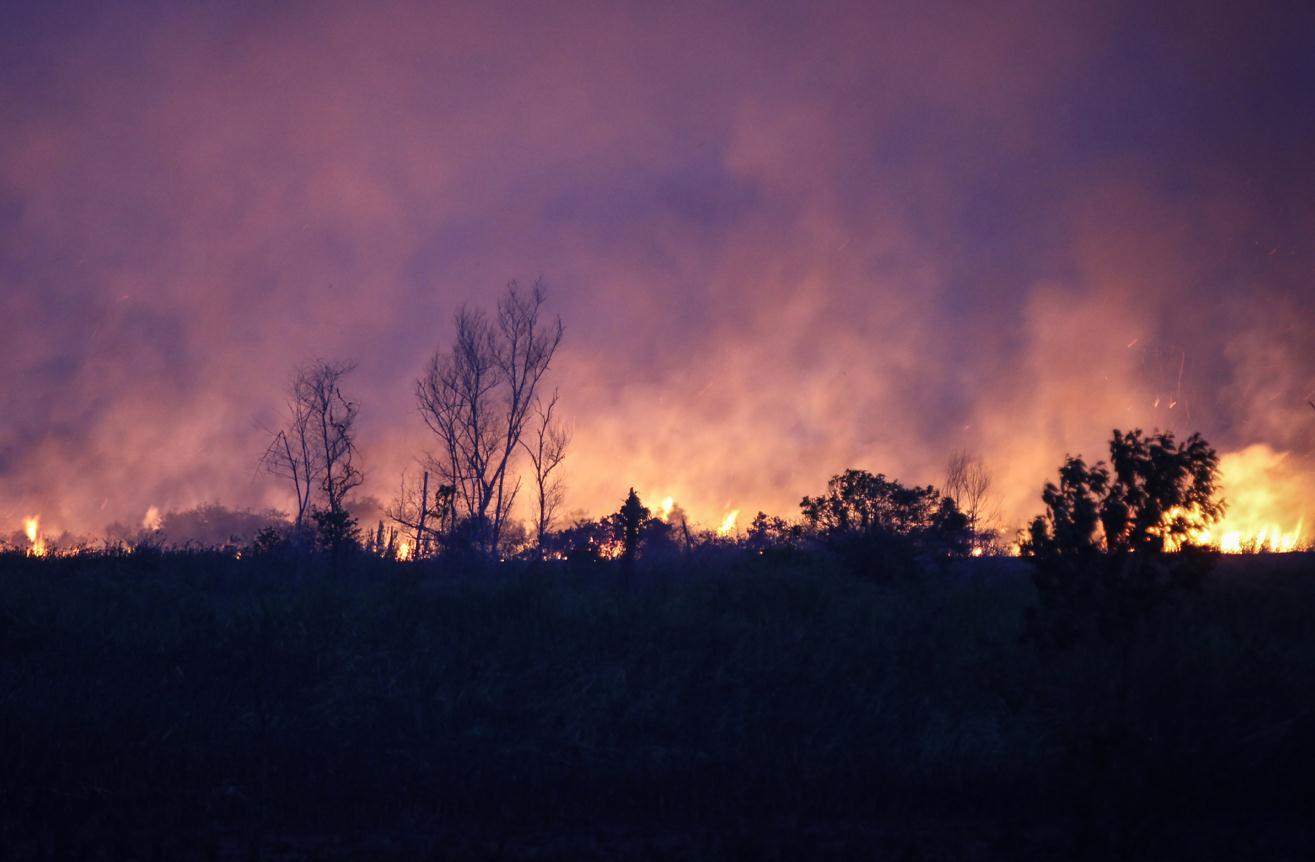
(1115,540)
(878,521)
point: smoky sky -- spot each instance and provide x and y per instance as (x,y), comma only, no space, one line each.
(784,239)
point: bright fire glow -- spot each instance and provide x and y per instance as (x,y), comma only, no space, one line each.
(32,527)
(404,551)
(664,511)
(728,523)
(1264,505)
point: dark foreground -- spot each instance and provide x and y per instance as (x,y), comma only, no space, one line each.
(201,707)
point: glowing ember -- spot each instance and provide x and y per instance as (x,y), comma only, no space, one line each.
(32,527)
(728,523)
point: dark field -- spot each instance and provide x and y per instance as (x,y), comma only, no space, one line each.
(201,707)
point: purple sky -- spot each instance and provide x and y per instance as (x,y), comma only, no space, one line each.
(784,239)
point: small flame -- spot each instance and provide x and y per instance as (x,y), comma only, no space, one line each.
(32,527)
(728,523)
(404,551)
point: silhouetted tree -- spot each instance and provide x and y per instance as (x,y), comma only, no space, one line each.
(882,524)
(290,454)
(770,534)
(546,448)
(336,532)
(316,451)
(430,520)
(476,399)
(1115,540)
(630,521)
(1114,543)
(584,541)
(968,483)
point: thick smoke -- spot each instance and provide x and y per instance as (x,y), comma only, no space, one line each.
(783,241)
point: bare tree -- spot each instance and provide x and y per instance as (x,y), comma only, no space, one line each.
(968,483)
(546,448)
(333,421)
(430,520)
(476,398)
(315,452)
(290,453)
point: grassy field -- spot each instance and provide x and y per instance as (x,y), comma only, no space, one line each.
(202,707)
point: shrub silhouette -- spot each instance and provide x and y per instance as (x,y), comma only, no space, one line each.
(1115,541)
(883,526)
(336,532)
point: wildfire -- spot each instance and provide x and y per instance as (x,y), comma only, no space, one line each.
(664,511)
(728,523)
(404,551)
(1270,539)
(32,527)
(1261,499)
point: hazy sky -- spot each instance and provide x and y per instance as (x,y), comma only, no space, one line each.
(784,238)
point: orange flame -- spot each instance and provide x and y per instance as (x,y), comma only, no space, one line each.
(728,523)
(664,511)
(1262,499)
(32,527)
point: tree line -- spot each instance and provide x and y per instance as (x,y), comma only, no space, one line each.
(499,437)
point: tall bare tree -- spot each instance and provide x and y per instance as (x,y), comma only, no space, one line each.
(968,483)
(290,454)
(316,451)
(476,398)
(546,448)
(333,418)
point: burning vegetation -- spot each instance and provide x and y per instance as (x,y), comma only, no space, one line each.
(32,530)
(501,443)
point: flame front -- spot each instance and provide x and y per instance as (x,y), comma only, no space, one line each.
(32,527)
(1261,498)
